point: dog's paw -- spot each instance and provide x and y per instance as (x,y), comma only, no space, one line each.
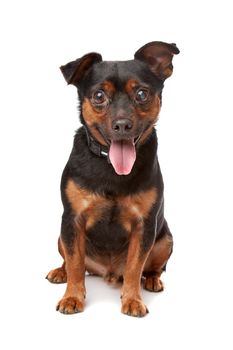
(134,307)
(153,284)
(70,305)
(57,276)
(111,278)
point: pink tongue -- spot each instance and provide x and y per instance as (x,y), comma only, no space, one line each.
(122,155)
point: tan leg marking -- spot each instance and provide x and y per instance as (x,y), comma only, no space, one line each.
(132,303)
(58,275)
(73,299)
(157,259)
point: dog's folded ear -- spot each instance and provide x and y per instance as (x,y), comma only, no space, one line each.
(158,55)
(75,71)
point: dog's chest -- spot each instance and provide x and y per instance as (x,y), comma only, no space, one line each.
(120,210)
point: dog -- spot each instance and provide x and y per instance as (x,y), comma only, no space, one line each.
(113,223)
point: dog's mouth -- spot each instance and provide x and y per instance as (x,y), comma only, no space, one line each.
(122,155)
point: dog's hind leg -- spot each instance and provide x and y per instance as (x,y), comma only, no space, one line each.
(157,260)
(58,275)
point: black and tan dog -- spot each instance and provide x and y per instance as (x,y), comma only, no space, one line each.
(112,189)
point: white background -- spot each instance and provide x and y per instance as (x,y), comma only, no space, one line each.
(38,119)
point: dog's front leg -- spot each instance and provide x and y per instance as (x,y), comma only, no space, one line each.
(132,303)
(73,299)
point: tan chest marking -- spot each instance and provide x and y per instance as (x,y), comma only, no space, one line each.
(86,203)
(92,206)
(136,207)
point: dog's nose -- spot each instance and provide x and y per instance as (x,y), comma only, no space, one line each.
(122,126)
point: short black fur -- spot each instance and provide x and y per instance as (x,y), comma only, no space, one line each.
(113,222)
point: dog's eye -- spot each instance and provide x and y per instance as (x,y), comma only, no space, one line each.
(99,97)
(142,95)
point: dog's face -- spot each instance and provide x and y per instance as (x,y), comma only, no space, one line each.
(120,101)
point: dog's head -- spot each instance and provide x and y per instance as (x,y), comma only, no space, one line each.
(120,100)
